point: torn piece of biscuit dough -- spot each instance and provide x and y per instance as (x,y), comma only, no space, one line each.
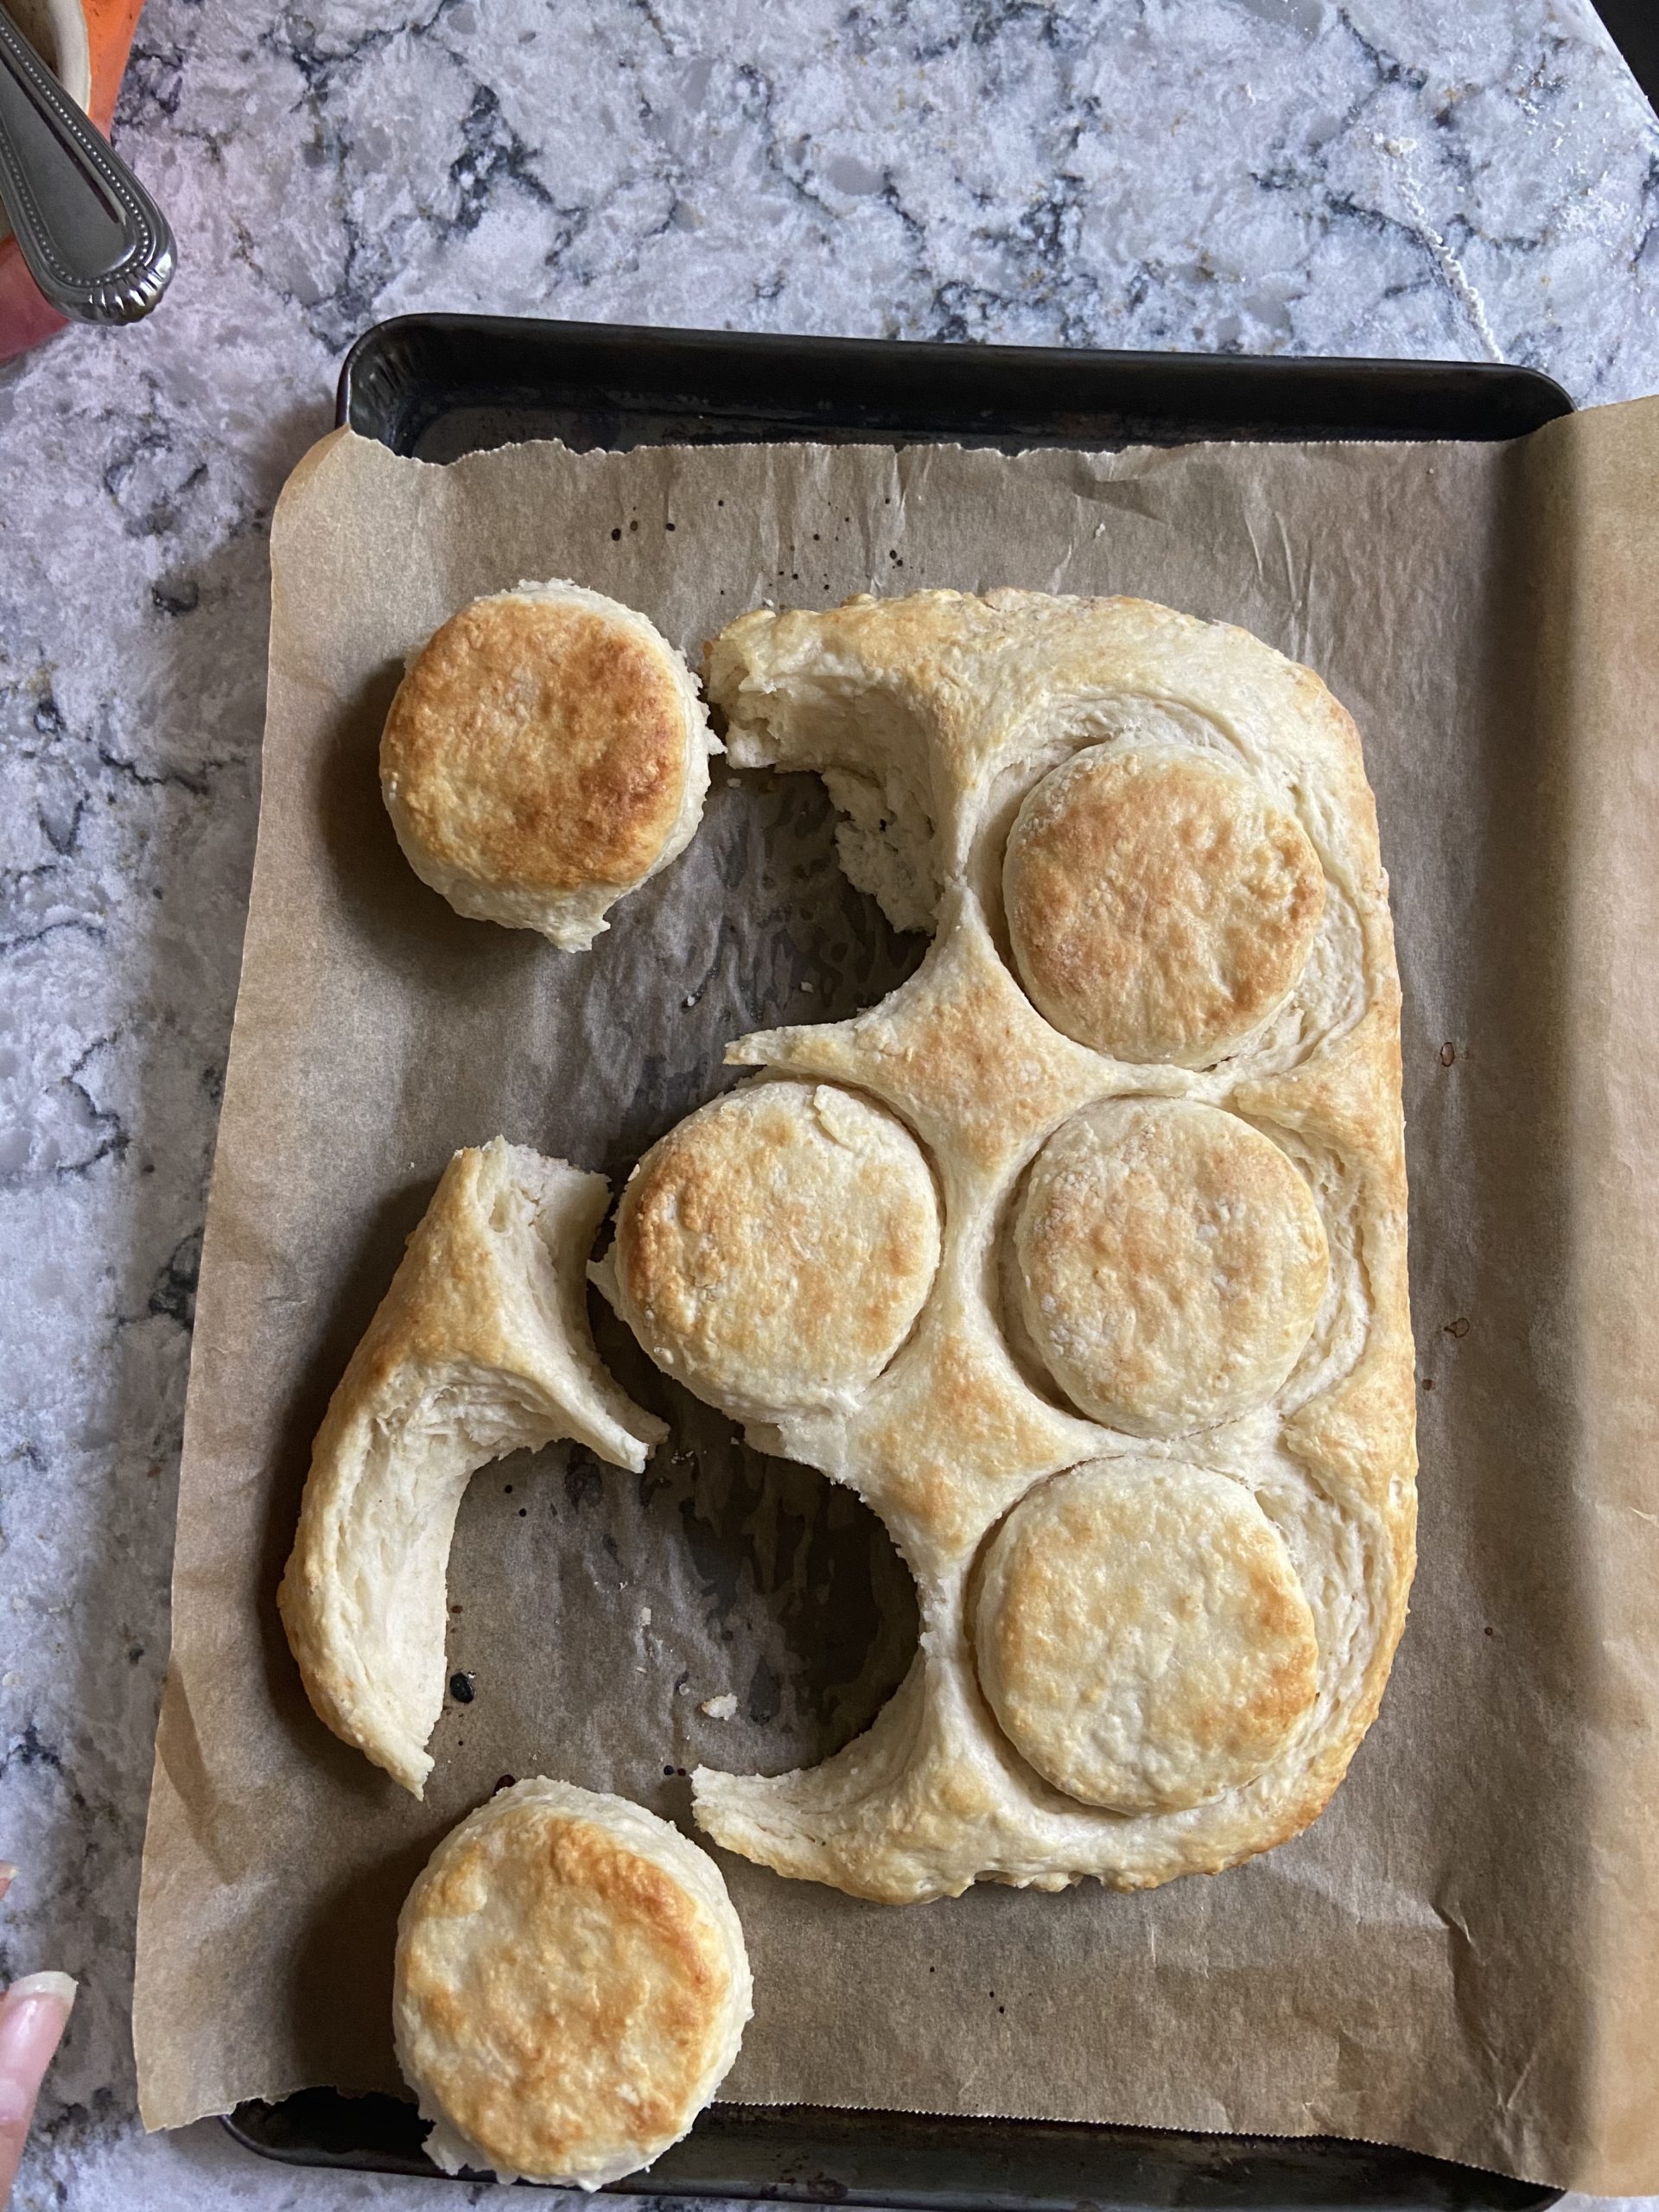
(480,1347)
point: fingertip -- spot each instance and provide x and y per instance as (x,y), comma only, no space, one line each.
(62,1986)
(33,2013)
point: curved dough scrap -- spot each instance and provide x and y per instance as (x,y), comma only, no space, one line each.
(480,1347)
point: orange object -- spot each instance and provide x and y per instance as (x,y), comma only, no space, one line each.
(25,318)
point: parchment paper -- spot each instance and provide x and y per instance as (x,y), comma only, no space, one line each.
(1462,1955)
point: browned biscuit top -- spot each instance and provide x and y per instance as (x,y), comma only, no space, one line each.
(1169,1264)
(1142,1636)
(776,1247)
(563,1995)
(538,743)
(1160,905)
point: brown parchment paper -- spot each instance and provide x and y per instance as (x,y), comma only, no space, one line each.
(1462,1955)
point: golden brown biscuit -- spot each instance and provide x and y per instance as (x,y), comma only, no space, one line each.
(571,1987)
(1141,1636)
(1159,904)
(547,752)
(774,1250)
(1169,1264)
(480,1347)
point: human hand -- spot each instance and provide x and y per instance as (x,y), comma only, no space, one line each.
(33,2012)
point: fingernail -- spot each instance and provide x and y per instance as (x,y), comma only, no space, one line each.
(62,1986)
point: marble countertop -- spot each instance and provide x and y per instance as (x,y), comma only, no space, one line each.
(1385,176)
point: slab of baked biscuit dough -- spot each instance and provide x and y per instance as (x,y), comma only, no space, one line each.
(934,718)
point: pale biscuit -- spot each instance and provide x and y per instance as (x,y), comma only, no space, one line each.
(480,1347)
(774,1250)
(571,1987)
(1161,905)
(1141,1636)
(547,752)
(1169,1264)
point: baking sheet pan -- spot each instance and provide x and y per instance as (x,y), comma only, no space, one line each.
(436,387)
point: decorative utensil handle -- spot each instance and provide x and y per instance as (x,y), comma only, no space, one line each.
(95,242)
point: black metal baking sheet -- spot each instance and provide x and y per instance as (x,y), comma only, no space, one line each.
(438,386)
(792,2154)
(1633,26)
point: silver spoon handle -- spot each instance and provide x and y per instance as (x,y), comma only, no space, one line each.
(96,243)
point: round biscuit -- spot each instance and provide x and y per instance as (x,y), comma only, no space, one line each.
(773,1250)
(1169,1264)
(546,752)
(570,1986)
(1159,904)
(1141,1636)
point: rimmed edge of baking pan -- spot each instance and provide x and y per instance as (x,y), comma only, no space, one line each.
(798,2154)
(436,386)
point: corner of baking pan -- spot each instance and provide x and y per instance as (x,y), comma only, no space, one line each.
(384,389)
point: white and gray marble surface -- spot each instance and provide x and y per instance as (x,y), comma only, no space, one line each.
(1383,176)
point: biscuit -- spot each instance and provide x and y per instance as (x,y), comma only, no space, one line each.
(480,1347)
(1141,1636)
(775,1248)
(1170,1263)
(570,1987)
(1161,905)
(547,752)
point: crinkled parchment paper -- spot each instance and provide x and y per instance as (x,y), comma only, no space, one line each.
(1462,1955)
